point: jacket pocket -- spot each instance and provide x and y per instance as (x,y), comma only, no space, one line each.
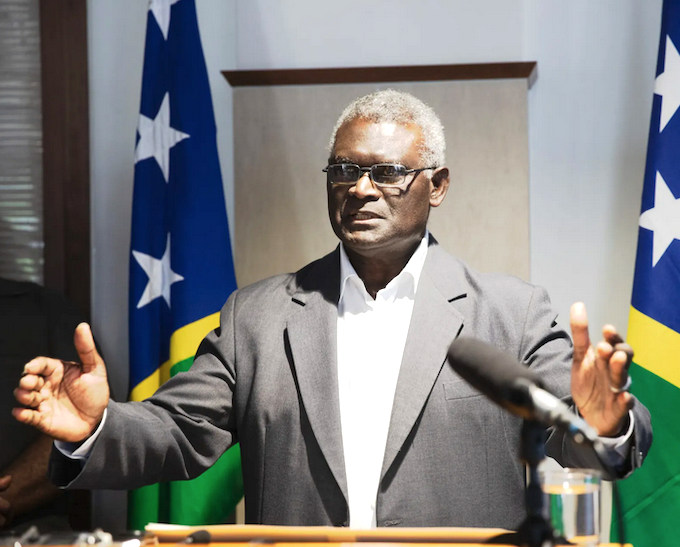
(459,389)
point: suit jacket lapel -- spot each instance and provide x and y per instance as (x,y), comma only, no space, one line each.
(312,331)
(434,325)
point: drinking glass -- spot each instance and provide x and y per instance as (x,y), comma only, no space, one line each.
(572,499)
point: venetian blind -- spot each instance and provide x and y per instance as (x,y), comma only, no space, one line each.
(21,231)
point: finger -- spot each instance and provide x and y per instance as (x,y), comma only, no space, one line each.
(611,335)
(618,366)
(41,366)
(578,320)
(27,416)
(86,349)
(31,399)
(603,354)
(32,382)
(625,348)
(84,343)
(5,482)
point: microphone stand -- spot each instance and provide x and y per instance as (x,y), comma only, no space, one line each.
(535,531)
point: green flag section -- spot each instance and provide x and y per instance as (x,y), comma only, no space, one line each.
(650,498)
(181,269)
(212,497)
(208,499)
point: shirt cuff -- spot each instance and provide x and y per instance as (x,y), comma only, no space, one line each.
(80,451)
(618,448)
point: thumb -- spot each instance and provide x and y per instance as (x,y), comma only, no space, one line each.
(578,319)
(86,349)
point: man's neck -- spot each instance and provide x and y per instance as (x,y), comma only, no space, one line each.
(377,270)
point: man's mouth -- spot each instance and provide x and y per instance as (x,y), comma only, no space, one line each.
(363,215)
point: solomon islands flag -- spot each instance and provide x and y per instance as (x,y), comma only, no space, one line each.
(651,496)
(181,269)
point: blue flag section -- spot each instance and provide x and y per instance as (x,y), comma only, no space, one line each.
(658,263)
(651,496)
(181,269)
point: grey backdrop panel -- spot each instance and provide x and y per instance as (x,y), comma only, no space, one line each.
(281,135)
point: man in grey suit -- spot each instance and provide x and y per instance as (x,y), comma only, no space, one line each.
(334,379)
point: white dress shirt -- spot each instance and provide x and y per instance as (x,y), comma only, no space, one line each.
(371,338)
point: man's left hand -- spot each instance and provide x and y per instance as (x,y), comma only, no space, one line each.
(599,376)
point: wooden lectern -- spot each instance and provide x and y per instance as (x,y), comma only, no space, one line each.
(307,536)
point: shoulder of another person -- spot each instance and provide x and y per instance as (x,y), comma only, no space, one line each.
(10,287)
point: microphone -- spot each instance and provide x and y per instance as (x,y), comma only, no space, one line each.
(515,387)
(197,537)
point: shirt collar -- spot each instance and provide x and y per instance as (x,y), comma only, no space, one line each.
(411,272)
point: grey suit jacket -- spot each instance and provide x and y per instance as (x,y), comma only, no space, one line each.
(267,378)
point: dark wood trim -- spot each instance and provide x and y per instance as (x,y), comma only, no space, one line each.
(416,73)
(66,148)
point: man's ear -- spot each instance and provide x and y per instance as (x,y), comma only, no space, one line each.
(439,186)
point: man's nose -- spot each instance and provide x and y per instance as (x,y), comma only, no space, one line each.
(365,187)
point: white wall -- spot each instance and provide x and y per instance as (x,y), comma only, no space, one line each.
(307,33)
(589,117)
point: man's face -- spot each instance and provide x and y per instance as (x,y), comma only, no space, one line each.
(377,221)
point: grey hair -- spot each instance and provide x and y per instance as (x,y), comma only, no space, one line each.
(399,107)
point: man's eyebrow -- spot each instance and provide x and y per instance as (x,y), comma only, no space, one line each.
(340,159)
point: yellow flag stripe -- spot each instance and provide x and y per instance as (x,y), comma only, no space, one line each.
(183,345)
(147,387)
(185,341)
(657,348)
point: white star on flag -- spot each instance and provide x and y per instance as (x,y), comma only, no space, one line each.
(156,137)
(161,11)
(161,276)
(667,84)
(663,219)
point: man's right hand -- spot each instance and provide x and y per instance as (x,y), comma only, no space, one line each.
(65,400)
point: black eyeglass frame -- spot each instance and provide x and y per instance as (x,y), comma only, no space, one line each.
(370,171)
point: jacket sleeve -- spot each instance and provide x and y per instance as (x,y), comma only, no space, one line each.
(176,434)
(547,349)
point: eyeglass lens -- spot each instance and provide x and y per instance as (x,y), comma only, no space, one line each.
(381,173)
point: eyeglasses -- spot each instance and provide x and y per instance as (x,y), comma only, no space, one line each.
(382,174)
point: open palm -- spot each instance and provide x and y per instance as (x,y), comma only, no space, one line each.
(65,400)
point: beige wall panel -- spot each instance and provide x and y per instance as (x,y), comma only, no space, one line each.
(280,139)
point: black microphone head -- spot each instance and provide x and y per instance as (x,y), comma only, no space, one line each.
(495,373)
(199,536)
